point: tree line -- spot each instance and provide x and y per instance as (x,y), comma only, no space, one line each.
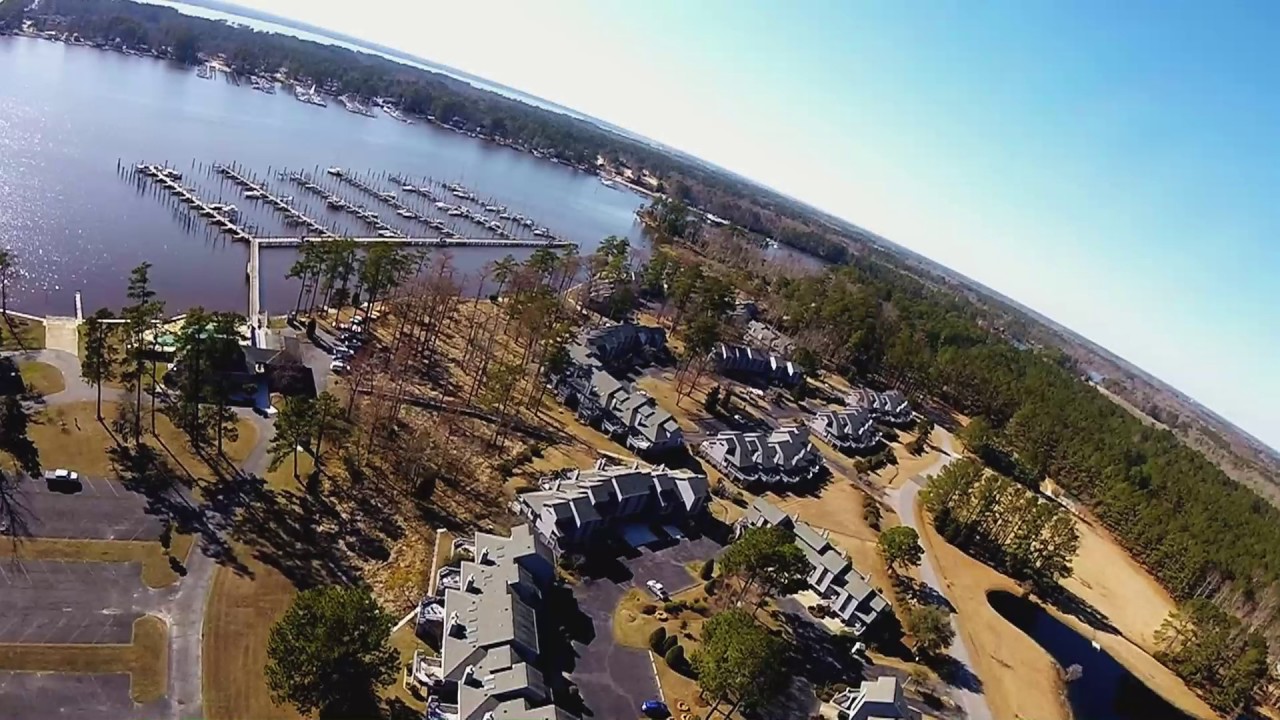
(1015,528)
(425,93)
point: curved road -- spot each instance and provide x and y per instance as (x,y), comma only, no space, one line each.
(972,702)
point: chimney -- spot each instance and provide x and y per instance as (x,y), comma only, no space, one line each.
(469,673)
(484,554)
(471,582)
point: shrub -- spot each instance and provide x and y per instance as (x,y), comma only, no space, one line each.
(648,609)
(712,586)
(708,569)
(669,644)
(673,607)
(701,607)
(675,657)
(658,639)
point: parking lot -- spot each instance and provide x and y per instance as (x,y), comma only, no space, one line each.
(69,602)
(56,602)
(613,679)
(29,696)
(100,510)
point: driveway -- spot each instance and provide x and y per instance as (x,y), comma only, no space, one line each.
(614,679)
(967,696)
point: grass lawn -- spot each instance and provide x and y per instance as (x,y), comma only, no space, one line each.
(632,627)
(237,623)
(42,378)
(25,335)
(146,659)
(405,643)
(156,570)
(282,478)
(70,436)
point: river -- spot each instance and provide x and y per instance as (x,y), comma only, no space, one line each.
(69,114)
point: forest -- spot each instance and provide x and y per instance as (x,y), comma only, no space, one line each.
(339,70)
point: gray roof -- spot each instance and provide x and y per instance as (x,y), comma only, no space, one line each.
(770,512)
(605,484)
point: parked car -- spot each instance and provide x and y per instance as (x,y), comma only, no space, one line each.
(657,589)
(342,352)
(655,709)
(339,366)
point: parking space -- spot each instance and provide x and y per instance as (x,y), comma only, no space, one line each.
(99,510)
(669,564)
(29,695)
(57,602)
(613,679)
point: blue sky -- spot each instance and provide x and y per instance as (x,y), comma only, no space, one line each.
(1115,166)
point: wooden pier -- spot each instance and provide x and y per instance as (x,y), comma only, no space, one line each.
(421,241)
(279,204)
(166,178)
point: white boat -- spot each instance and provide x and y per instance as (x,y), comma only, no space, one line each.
(253,193)
(406,214)
(336,171)
(606,182)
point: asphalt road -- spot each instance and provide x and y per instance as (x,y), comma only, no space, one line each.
(967,695)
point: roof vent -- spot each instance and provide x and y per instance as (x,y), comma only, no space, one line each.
(471,582)
(469,673)
(484,554)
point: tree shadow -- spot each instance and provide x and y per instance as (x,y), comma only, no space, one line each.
(14,422)
(954,673)
(1077,607)
(15,516)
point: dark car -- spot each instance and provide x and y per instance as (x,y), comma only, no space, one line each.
(655,709)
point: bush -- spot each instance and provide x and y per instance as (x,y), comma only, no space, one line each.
(675,657)
(658,640)
(708,569)
(673,607)
(711,587)
(670,643)
(871,513)
(648,609)
(701,607)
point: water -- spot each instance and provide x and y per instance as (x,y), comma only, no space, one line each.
(68,114)
(1106,690)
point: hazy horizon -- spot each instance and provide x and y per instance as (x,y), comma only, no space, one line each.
(1111,168)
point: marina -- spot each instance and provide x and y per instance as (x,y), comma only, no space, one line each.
(74,225)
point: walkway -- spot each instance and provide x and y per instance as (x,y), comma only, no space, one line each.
(973,702)
(62,333)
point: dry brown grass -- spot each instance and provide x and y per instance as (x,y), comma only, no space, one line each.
(146,659)
(41,377)
(632,627)
(405,643)
(1106,577)
(70,436)
(1019,678)
(238,620)
(20,334)
(282,478)
(156,570)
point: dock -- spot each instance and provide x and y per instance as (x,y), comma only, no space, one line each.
(420,241)
(286,209)
(338,202)
(168,179)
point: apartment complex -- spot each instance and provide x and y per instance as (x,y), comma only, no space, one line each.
(490,651)
(601,400)
(890,406)
(755,365)
(568,512)
(848,429)
(782,456)
(849,595)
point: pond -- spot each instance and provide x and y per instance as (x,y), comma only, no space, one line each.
(1105,690)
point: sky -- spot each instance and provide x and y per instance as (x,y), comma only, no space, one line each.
(1114,166)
